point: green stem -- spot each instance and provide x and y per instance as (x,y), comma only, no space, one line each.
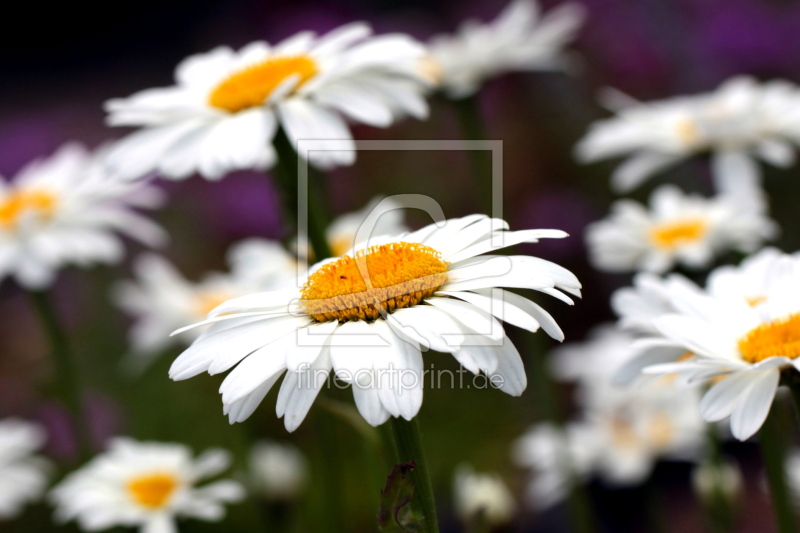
(286,173)
(408,447)
(718,506)
(773,454)
(472,129)
(67,379)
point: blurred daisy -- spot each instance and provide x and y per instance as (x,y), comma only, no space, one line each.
(792,469)
(278,471)
(649,297)
(741,346)
(743,120)
(162,300)
(147,485)
(710,480)
(521,38)
(23,475)
(482,498)
(678,229)
(65,209)
(368,316)
(227,105)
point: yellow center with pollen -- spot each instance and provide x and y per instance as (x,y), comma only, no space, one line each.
(15,205)
(381,278)
(777,338)
(252,86)
(670,235)
(153,490)
(207,302)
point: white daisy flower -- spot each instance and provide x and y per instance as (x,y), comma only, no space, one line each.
(521,38)
(743,120)
(23,475)
(741,345)
(482,498)
(278,471)
(147,485)
(65,209)
(792,469)
(161,300)
(226,105)
(677,229)
(368,316)
(710,480)
(649,297)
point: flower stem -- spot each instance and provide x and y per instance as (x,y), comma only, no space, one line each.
(67,381)
(773,452)
(408,447)
(286,172)
(472,129)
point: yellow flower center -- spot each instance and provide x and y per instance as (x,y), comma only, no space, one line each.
(153,490)
(779,338)
(755,301)
(207,302)
(688,132)
(384,277)
(670,235)
(430,69)
(660,431)
(253,86)
(15,205)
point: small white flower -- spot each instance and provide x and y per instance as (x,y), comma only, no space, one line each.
(521,38)
(648,298)
(710,480)
(278,471)
(145,484)
(65,209)
(740,345)
(792,468)
(678,229)
(369,315)
(162,300)
(741,121)
(23,475)
(482,497)
(227,105)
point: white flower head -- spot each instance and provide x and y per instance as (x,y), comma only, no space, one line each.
(66,209)
(23,475)
(739,344)
(146,484)
(741,121)
(226,105)
(792,468)
(278,471)
(162,300)
(711,480)
(483,497)
(369,315)
(521,38)
(677,229)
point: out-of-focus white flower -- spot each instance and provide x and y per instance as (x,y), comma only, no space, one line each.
(739,122)
(521,38)
(66,209)
(369,315)
(227,105)
(710,481)
(740,345)
(278,471)
(148,485)
(677,229)
(482,497)
(23,475)
(792,467)
(161,300)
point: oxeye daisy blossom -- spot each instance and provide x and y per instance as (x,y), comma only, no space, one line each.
(66,209)
(148,485)
(521,38)
(481,498)
(368,316)
(226,105)
(161,300)
(677,229)
(741,121)
(739,346)
(278,471)
(23,475)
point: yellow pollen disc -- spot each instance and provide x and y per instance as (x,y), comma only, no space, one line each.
(16,204)
(153,490)
(341,245)
(251,87)
(430,69)
(622,434)
(205,303)
(670,235)
(777,338)
(660,431)
(755,301)
(388,276)
(688,132)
